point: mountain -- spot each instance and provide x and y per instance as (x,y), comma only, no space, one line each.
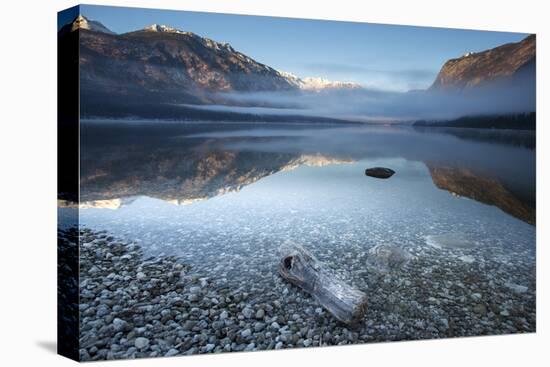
(161,64)
(168,65)
(496,88)
(501,64)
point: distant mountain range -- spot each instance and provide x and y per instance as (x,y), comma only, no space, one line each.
(159,71)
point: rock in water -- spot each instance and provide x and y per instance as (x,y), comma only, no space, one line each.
(387,257)
(379,172)
(517,288)
(450,241)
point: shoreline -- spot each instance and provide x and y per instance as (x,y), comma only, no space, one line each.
(131,307)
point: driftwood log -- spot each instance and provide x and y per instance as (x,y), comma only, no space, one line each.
(344,302)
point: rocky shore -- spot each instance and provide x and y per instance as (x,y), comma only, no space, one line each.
(132,306)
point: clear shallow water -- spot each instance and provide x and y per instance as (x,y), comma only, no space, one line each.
(305,184)
(461,202)
(318,207)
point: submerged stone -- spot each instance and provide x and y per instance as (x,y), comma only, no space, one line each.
(517,288)
(450,241)
(467,259)
(387,257)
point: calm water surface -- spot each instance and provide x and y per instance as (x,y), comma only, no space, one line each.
(225,197)
(199,184)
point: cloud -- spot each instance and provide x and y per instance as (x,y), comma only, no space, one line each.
(376,105)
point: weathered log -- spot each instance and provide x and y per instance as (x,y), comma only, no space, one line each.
(343,301)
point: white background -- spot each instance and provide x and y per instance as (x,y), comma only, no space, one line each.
(28,182)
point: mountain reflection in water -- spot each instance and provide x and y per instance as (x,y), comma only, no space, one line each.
(186,163)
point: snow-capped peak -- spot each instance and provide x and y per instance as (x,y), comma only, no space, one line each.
(205,41)
(321,83)
(163,28)
(317,84)
(216,45)
(286,74)
(81,22)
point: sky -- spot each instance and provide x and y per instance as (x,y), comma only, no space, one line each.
(377,56)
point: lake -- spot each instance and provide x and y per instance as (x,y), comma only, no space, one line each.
(224,198)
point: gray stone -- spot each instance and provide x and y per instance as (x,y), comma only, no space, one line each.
(141,343)
(188,325)
(195,290)
(247,312)
(103,310)
(467,259)
(480,309)
(259,326)
(517,288)
(172,352)
(217,325)
(209,347)
(84,355)
(120,325)
(386,257)
(379,172)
